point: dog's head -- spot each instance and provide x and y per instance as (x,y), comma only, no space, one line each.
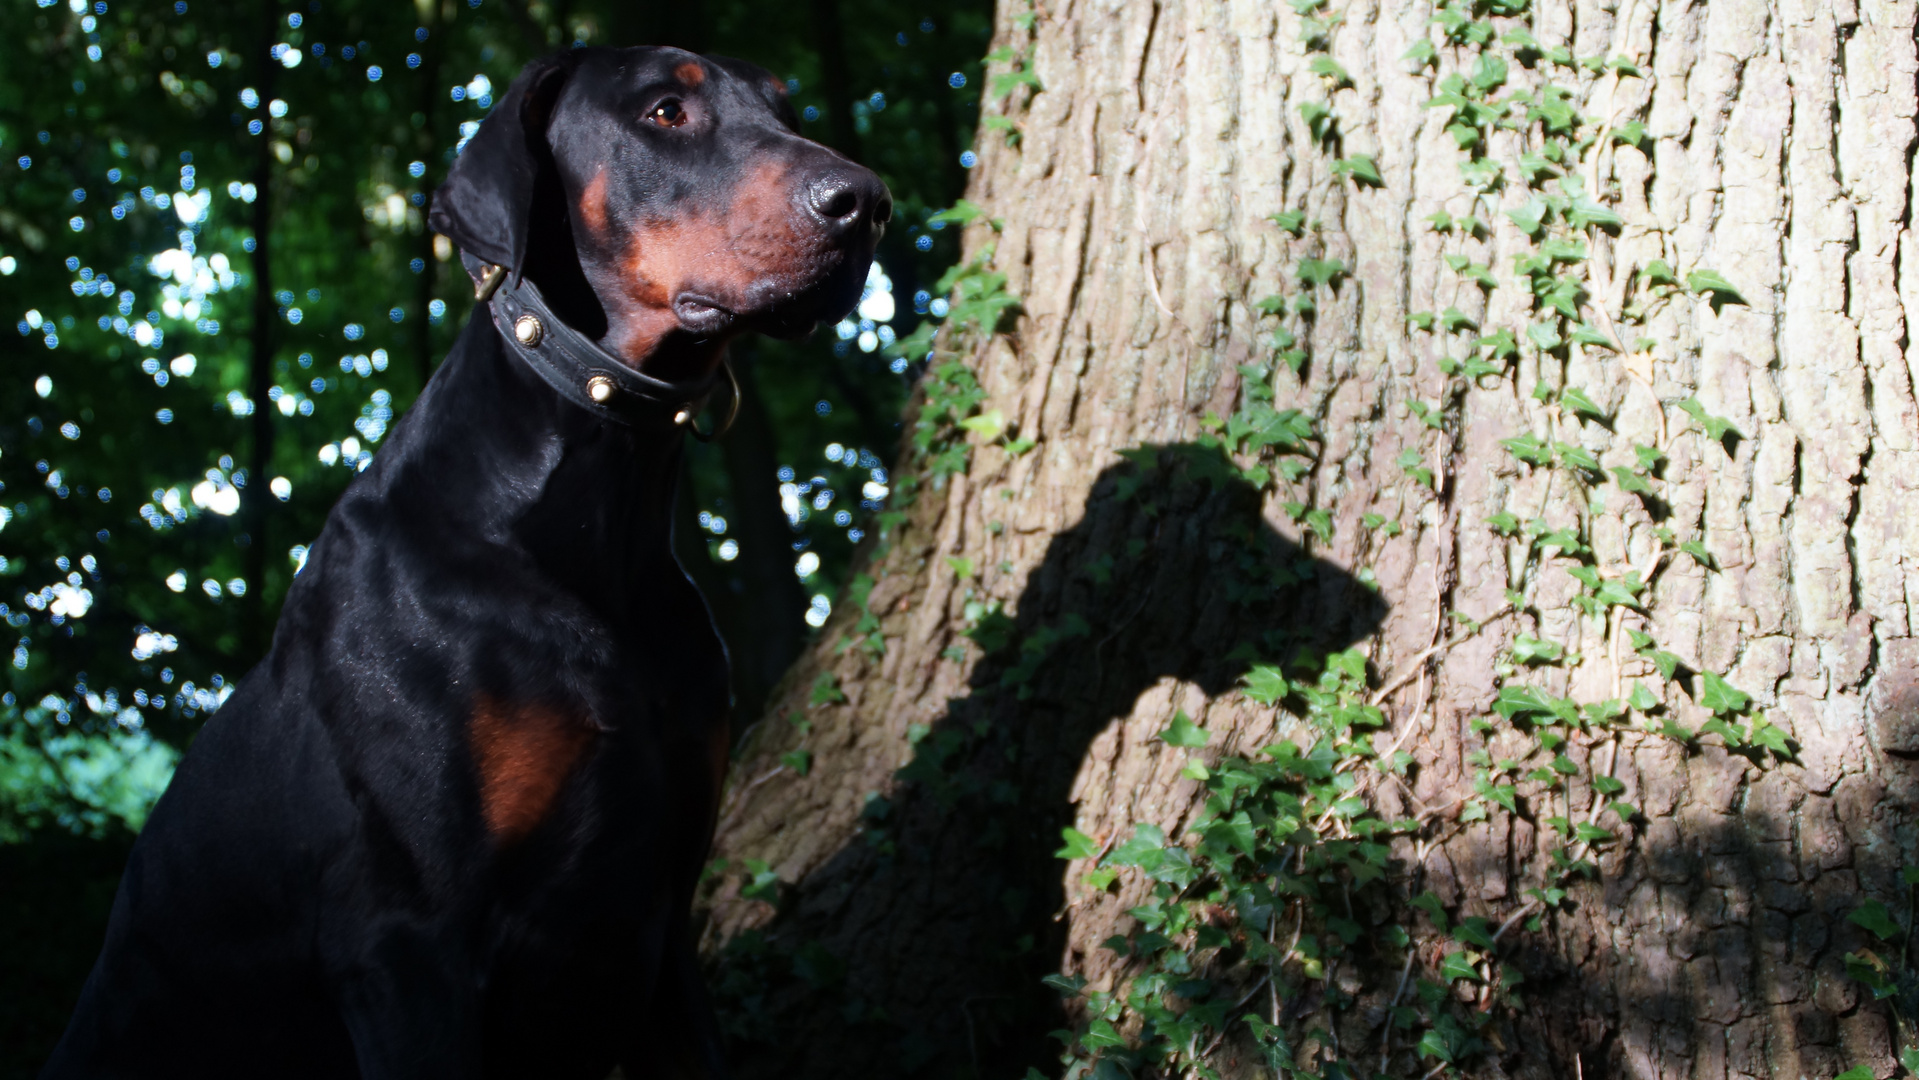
(691,206)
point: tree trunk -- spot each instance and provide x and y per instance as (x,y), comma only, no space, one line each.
(909,783)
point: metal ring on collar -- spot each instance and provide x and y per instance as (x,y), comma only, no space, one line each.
(686,415)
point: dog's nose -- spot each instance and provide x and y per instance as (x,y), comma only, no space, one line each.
(847,199)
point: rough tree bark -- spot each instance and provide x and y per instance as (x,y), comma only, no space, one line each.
(910,931)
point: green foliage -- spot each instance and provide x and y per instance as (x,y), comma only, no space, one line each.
(1709,283)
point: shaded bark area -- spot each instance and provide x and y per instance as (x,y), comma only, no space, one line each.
(1778,152)
(932,930)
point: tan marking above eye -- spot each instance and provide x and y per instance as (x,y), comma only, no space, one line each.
(690,73)
(523,754)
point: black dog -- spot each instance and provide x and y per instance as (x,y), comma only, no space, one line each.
(452,824)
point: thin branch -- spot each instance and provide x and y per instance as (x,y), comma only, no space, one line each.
(1413,666)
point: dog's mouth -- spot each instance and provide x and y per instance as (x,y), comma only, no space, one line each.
(781,305)
(701,315)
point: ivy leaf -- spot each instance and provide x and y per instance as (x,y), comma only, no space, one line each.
(1505,795)
(1719,695)
(1066,987)
(1101,1035)
(1421,320)
(1321,522)
(1632,133)
(826,690)
(1641,698)
(1265,684)
(1575,399)
(1410,460)
(1428,902)
(1873,916)
(1770,737)
(1658,272)
(1504,523)
(988,425)
(1321,271)
(1472,271)
(1528,649)
(1719,289)
(1489,72)
(1591,834)
(1545,336)
(1608,785)
(1319,119)
(1522,41)
(1516,701)
(1078,845)
(1666,662)
(1631,481)
(1528,448)
(962,213)
(1473,931)
(1716,427)
(1327,68)
(1675,732)
(1183,732)
(1530,217)
(1699,553)
(1293,221)
(1620,592)
(1857,1072)
(1577,457)
(1457,966)
(1869,969)
(1421,54)
(800,761)
(1585,212)
(1587,334)
(1362,168)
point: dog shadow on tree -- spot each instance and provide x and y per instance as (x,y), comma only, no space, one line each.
(919,948)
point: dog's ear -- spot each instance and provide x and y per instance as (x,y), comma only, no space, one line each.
(487,199)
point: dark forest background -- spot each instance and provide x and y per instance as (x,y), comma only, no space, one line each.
(217,293)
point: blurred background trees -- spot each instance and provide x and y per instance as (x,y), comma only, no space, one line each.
(217,292)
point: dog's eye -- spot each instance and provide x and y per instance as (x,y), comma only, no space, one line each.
(668,114)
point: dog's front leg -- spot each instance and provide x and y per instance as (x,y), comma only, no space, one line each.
(412,1004)
(681,1041)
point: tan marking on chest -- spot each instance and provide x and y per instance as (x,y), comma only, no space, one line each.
(523,754)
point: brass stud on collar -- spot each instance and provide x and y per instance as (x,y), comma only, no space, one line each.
(682,418)
(528,330)
(599,388)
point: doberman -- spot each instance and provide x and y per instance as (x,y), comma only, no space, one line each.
(451,825)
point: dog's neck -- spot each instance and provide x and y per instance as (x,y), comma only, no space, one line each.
(583,287)
(494,455)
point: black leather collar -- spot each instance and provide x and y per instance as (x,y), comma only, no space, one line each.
(579,369)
